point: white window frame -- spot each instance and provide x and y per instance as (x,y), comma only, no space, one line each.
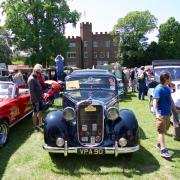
(85,54)
(71,54)
(95,44)
(107,43)
(72,45)
(85,44)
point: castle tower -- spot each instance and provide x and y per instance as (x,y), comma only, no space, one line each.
(87,44)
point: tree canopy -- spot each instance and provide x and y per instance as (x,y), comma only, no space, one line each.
(133,29)
(5,50)
(169,39)
(38,26)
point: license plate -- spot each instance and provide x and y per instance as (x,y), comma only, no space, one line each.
(85,151)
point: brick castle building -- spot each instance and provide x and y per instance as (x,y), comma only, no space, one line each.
(90,49)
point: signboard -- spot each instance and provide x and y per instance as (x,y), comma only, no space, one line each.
(3,65)
(18,67)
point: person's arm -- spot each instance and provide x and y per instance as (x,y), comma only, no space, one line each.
(157,95)
(155,106)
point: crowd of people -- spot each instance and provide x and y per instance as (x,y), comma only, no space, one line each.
(39,90)
(137,79)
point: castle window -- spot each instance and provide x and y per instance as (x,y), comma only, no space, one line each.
(102,54)
(85,43)
(85,54)
(71,54)
(107,54)
(99,62)
(107,43)
(72,44)
(95,54)
(95,44)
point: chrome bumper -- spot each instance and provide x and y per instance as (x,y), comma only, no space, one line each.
(107,150)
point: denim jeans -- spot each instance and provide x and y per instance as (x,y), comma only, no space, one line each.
(141,90)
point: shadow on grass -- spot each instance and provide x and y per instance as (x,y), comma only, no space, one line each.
(176,153)
(128,97)
(141,162)
(17,136)
(142,134)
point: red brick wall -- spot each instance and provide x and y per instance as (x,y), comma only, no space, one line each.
(87,35)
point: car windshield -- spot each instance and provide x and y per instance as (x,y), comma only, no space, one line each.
(6,90)
(174,71)
(85,94)
(91,82)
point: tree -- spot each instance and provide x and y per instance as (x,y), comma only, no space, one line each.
(38,27)
(133,29)
(5,50)
(169,39)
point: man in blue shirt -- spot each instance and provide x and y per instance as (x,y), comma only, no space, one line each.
(163,106)
(59,60)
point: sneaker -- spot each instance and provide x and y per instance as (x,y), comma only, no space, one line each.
(158,146)
(165,153)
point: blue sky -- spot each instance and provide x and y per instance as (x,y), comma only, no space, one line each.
(103,14)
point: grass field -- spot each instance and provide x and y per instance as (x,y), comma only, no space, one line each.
(23,156)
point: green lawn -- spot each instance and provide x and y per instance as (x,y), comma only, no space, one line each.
(23,157)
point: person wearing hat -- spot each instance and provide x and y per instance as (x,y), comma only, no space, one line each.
(36,95)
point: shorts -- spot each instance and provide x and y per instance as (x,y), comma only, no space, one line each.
(37,107)
(162,124)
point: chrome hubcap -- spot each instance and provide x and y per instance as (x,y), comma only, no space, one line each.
(3,133)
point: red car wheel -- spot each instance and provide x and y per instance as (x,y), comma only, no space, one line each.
(4,128)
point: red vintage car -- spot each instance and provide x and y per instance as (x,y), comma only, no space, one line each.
(15,104)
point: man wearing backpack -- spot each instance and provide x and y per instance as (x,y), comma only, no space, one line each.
(142,76)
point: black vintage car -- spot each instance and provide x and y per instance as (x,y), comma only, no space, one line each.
(91,122)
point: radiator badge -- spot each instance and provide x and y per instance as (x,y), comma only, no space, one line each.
(90,108)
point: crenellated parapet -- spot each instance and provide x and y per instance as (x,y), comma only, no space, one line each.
(72,37)
(100,33)
(85,23)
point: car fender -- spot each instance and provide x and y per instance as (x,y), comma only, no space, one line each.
(54,126)
(129,119)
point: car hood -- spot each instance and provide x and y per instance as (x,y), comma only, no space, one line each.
(4,101)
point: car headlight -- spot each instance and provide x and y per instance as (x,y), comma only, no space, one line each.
(68,114)
(113,113)
(60,142)
(122,142)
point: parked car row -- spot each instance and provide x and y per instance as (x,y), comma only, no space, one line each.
(90,121)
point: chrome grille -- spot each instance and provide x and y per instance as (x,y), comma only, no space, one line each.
(90,124)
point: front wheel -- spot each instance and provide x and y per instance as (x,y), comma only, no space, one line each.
(4,129)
